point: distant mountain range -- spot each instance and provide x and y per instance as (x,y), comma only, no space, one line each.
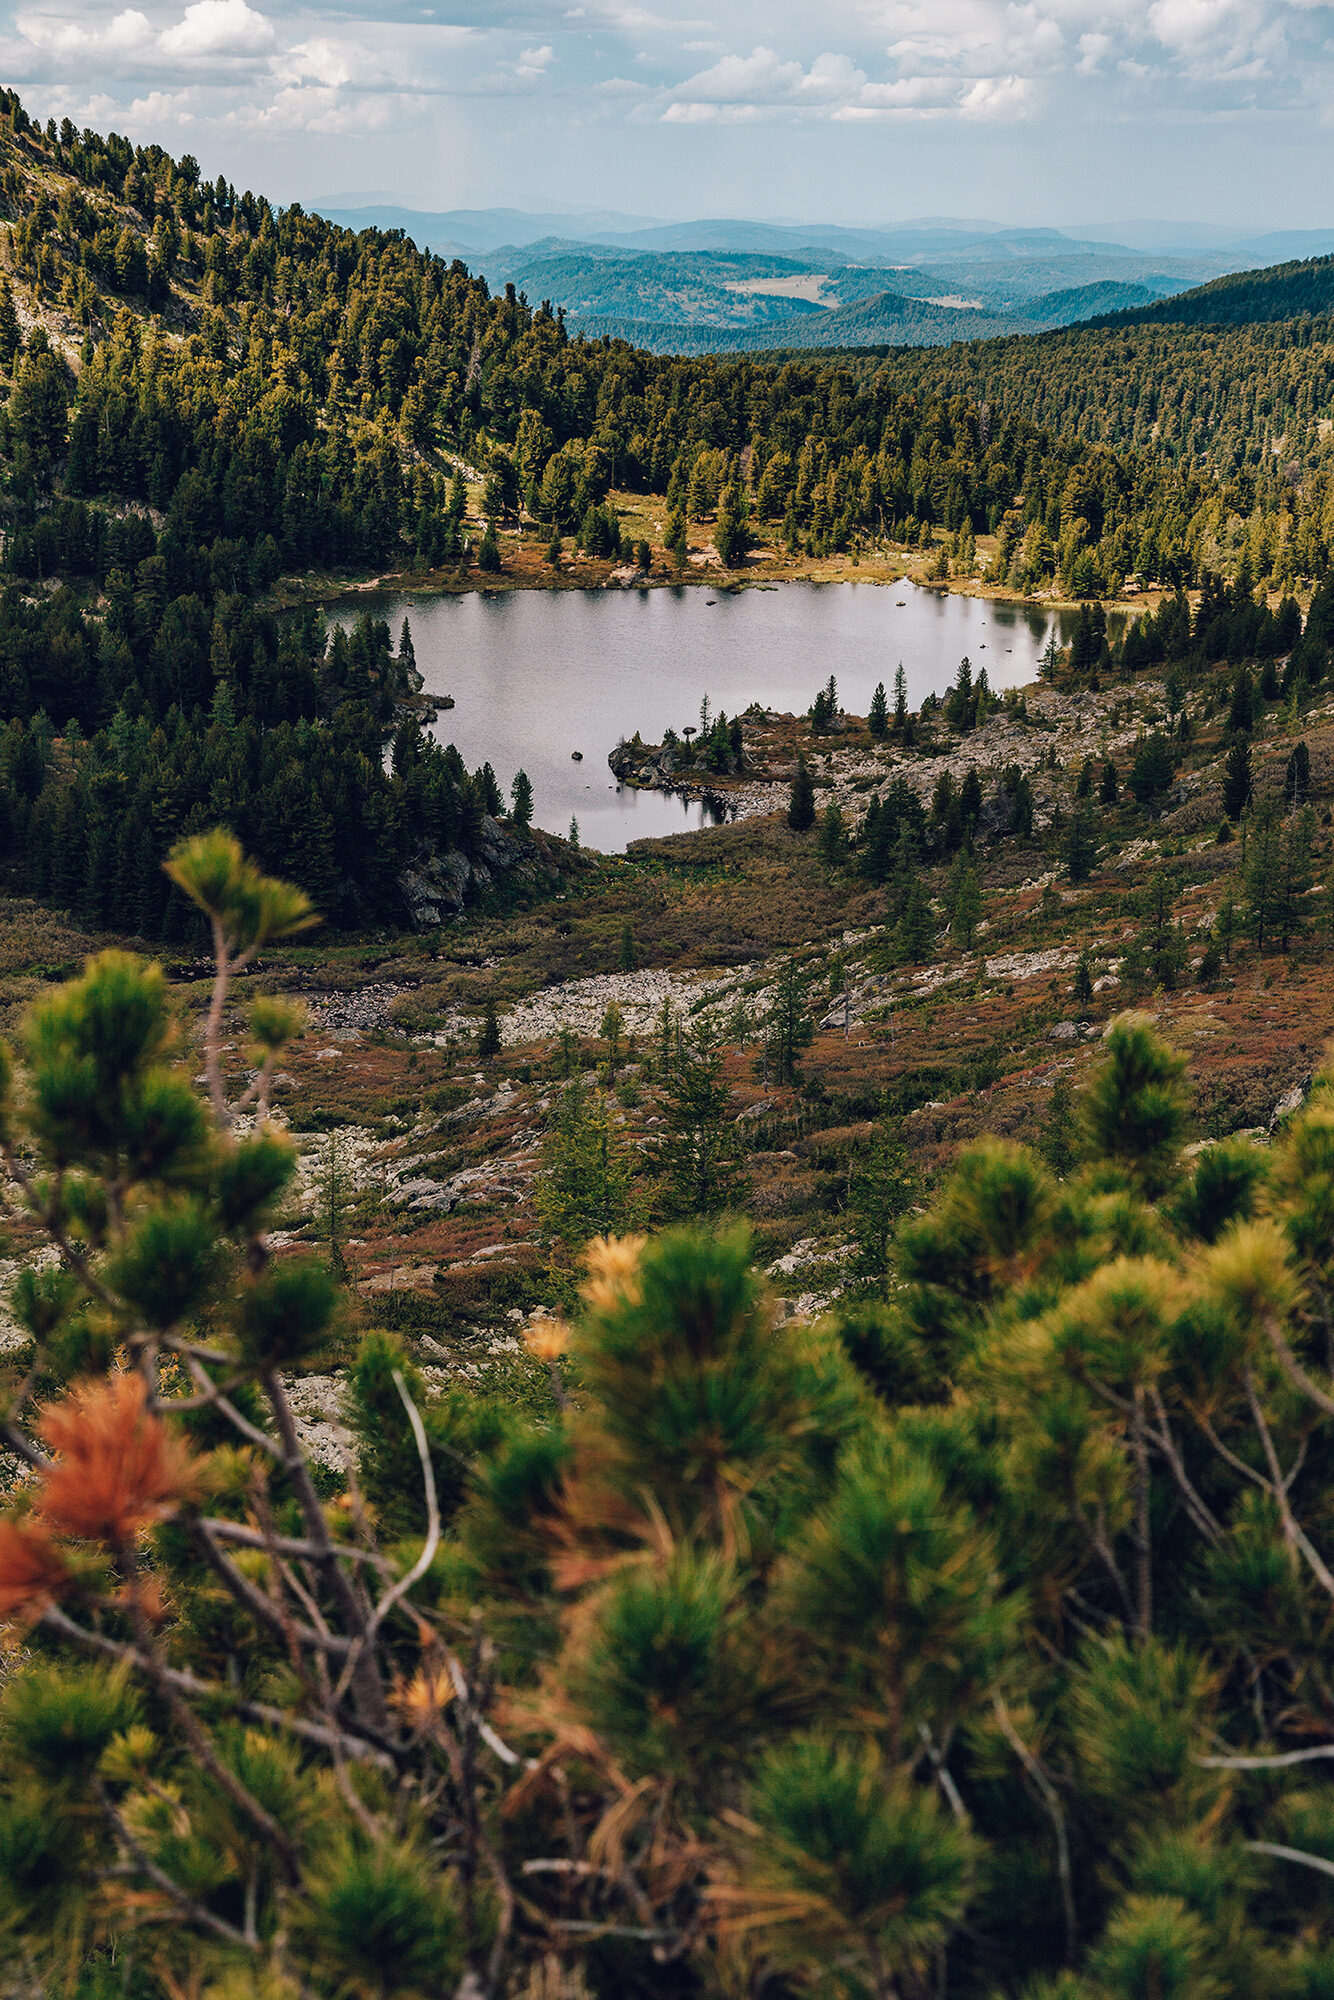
(722,284)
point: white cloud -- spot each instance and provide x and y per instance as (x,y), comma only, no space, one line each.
(996,97)
(763,84)
(211,28)
(1094,48)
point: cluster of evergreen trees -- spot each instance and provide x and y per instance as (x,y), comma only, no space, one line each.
(170,719)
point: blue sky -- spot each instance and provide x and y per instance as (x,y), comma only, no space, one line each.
(859,111)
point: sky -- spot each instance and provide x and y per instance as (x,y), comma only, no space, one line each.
(854,111)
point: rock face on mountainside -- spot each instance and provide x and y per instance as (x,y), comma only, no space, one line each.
(436,886)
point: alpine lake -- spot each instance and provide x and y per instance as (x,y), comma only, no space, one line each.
(549,681)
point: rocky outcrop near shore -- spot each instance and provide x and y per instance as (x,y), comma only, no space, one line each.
(652,766)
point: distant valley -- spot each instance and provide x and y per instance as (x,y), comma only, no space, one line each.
(722,286)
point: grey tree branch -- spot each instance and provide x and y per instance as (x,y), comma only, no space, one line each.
(1055,1812)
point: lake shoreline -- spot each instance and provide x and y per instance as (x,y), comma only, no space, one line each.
(764,574)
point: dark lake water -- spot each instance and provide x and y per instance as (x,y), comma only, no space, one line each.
(538,674)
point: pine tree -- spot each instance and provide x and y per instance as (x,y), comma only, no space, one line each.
(915,939)
(882,1188)
(1237,781)
(1081,841)
(700,1154)
(488,1035)
(1108,784)
(789,1029)
(877,718)
(522,794)
(801,802)
(964,901)
(833,839)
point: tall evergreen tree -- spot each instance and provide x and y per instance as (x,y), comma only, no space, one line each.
(1237,781)
(700,1154)
(801,801)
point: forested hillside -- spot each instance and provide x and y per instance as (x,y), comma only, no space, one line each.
(1249,403)
(1283,291)
(205,396)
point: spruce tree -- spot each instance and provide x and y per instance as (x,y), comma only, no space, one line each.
(488,552)
(488,1035)
(1264,872)
(916,936)
(882,1188)
(522,794)
(10,332)
(1237,781)
(902,727)
(877,717)
(1081,841)
(584,1187)
(789,1029)
(1081,991)
(731,537)
(833,839)
(699,1155)
(801,801)
(964,901)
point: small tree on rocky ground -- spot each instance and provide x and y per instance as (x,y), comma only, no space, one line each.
(801,803)
(489,1041)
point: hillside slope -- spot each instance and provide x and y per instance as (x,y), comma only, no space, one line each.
(1282,291)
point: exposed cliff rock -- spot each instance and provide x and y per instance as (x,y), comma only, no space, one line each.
(436,886)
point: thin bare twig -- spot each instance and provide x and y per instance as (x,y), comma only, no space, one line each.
(1292,1529)
(1296,1854)
(1055,1812)
(944,1776)
(1280,1760)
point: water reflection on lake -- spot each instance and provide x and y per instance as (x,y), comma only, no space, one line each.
(539,674)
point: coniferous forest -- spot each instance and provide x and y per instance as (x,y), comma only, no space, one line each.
(211,395)
(749,1422)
